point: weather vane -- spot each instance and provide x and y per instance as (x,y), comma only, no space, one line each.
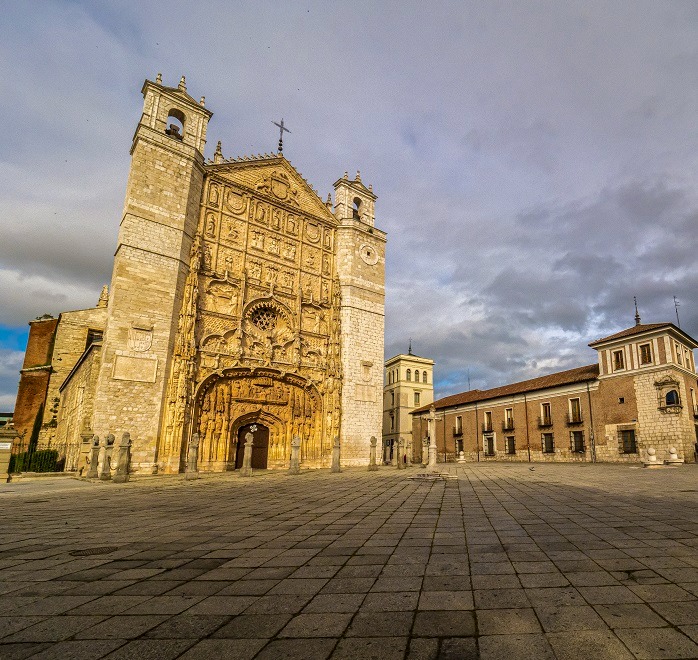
(282,128)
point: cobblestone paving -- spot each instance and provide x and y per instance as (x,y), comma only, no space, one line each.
(507,561)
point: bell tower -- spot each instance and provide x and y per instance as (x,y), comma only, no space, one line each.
(361,271)
(151,264)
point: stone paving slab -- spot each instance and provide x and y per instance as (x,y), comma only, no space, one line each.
(500,561)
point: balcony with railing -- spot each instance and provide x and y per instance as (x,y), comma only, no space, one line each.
(487,427)
(574,418)
(545,421)
(508,424)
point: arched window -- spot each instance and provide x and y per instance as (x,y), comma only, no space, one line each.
(356,210)
(416,375)
(672,398)
(424,376)
(175,124)
(409,374)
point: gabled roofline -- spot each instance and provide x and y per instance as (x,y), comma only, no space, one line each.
(643,329)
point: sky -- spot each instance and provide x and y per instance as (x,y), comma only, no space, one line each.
(536,162)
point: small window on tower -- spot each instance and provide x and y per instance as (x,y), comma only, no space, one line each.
(416,399)
(356,210)
(618,361)
(645,354)
(416,376)
(409,374)
(175,124)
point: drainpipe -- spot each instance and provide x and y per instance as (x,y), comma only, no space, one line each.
(528,439)
(592,440)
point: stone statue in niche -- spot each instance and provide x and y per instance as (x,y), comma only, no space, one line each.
(207,257)
(261,215)
(257,240)
(287,279)
(233,233)
(213,196)
(325,264)
(276,218)
(210,225)
(325,296)
(310,260)
(289,251)
(273,245)
(255,270)
(292,224)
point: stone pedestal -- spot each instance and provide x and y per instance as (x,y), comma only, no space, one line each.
(651,460)
(673,458)
(93,470)
(246,470)
(408,453)
(192,467)
(294,466)
(124,459)
(431,467)
(461,457)
(425,452)
(335,456)
(393,460)
(400,454)
(372,457)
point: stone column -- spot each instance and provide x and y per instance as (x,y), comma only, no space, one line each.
(192,468)
(246,470)
(400,454)
(408,452)
(93,471)
(294,466)
(105,452)
(124,460)
(432,440)
(335,456)
(425,452)
(393,462)
(372,460)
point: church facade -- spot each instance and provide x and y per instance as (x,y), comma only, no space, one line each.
(239,301)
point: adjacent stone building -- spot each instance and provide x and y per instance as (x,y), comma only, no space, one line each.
(239,301)
(408,383)
(641,393)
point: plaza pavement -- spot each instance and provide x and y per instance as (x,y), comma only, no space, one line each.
(506,561)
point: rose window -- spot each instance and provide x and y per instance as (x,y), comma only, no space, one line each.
(264,318)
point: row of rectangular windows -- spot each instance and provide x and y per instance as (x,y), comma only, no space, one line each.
(682,354)
(627,443)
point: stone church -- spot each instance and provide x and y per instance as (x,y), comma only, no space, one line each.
(239,300)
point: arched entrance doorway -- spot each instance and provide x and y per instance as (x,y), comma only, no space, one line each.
(260,445)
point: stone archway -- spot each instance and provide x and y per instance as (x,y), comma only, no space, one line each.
(285,404)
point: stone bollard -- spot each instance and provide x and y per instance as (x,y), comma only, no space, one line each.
(192,468)
(93,472)
(294,466)
(372,456)
(335,456)
(400,454)
(461,457)
(425,452)
(393,460)
(123,462)
(105,451)
(246,470)
(651,460)
(673,458)
(408,453)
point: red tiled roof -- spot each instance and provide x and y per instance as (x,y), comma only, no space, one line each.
(635,330)
(577,375)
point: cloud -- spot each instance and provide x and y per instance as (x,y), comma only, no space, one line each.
(535,162)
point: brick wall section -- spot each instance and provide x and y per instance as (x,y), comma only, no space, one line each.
(35,375)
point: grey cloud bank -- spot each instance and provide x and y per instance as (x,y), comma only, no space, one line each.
(535,162)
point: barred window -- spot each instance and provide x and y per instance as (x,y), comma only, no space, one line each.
(548,444)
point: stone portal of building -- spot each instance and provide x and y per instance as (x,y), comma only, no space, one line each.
(260,446)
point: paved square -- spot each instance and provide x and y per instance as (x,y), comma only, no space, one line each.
(506,561)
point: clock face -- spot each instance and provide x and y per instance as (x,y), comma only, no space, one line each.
(369,254)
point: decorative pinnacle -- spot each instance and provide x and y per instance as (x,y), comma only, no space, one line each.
(637,314)
(329,200)
(202,101)
(370,187)
(409,350)
(218,154)
(358,176)
(158,79)
(346,175)
(182,84)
